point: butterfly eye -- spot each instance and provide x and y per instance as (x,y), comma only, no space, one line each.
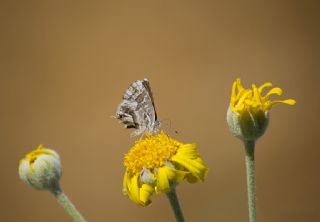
(131,127)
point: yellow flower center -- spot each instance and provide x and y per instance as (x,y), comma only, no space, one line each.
(150,153)
(251,99)
(34,154)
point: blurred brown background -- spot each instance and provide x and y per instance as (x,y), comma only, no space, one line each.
(65,65)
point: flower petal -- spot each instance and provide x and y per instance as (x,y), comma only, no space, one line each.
(276,91)
(239,84)
(131,186)
(188,151)
(265,85)
(233,92)
(175,175)
(243,97)
(195,166)
(287,101)
(145,193)
(163,184)
(256,94)
(167,176)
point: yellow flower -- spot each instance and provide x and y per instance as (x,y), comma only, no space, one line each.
(251,99)
(248,113)
(41,168)
(157,163)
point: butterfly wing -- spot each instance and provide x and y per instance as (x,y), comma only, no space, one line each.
(137,108)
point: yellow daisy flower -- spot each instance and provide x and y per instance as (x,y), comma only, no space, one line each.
(157,163)
(248,113)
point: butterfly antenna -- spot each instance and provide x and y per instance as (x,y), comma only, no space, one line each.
(168,124)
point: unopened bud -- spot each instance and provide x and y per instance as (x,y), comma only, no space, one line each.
(41,169)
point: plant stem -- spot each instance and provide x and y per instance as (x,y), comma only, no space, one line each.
(251,179)
(64,201)
(174,202)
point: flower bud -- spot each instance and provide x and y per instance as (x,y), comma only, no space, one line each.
(41,169)
(248,112)
(247,126)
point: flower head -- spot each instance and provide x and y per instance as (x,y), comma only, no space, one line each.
(41,169)
(248,113)
(158,162)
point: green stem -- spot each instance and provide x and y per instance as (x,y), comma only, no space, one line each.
(251,179)
(64,201)
(174,202)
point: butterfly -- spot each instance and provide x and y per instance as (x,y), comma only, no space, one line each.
(137,109)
